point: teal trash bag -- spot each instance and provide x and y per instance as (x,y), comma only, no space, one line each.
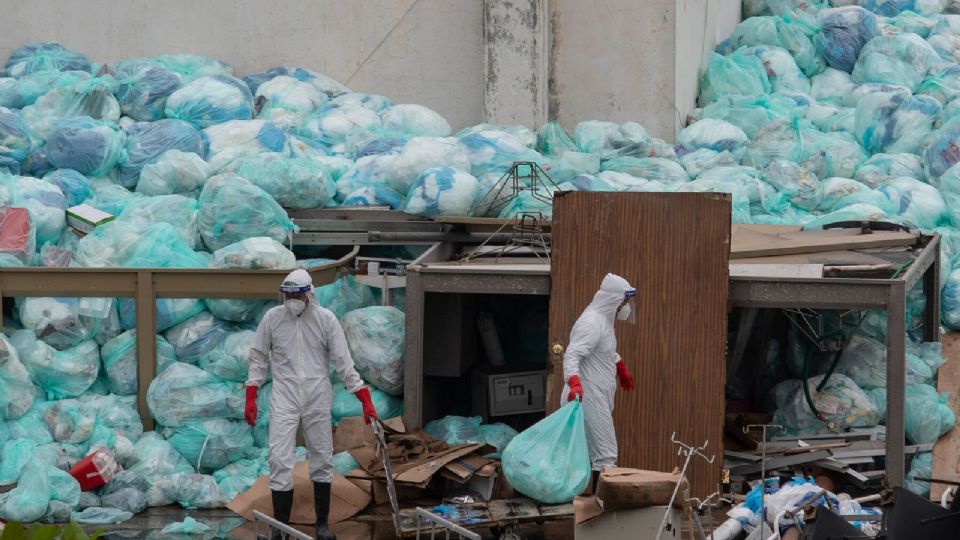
(31,425)
(864,360)
(251,253)
(16,386)
(902,60)
(198,335)
(793,33)
(802,186)
(206,101)
(942,84)
(553,140)
(95,515)
(169,313)
(368,171)
(346,405)
(496,152)
(28,501)
(749,183)
(375,337)
(843,33)
(292,182)
(190,66)
(69,420)
(657,169)
(287,100)
(415,121)
(188,490)
(15,143)
(880,168)
(143,89)
(17,454)
(229,360)
(59,322)
(928,415)
(174,173)
(44,202)
(238,138)
(421,154)
(609,140)
(119,357)
(736,75)
(126,499)
(91,98)
(712,134)
(346,98)
(17,93)
(175,210)
(525,135)
(212,444)
(824,154)
(442,191)
(116,414)
(239,476)
(75,187)
(916,202)
(187,526)
(740,199)
(233,209)
(343,462)
(498,436)
(841,402)
(373,196)
(943,37)
(137,245)
(853,212)
(183,393)
(335,128)
(832,87)
(837,190)
(893,123)
(751,113)
(830,118)
(344,295)
(549,461)
(921,467)
(455,430)
(147,141)
(85,145)
(42,56)
(156,458)
(782,71)
(60,374)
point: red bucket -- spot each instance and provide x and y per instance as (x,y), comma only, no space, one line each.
(95,470)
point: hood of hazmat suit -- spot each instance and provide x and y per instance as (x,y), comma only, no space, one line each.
(300,350)
(592,355)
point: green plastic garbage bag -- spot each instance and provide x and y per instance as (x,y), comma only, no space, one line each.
(16,386)
(28,501)
(942,83)
(66,373)
(238,138)
(233,209)
(127,500)
(836,190)
(116,414)
(137,245)
(421,154)
(31,425)
(174,173)
(85,145)
(928,415)
(59,322)
(95,515)
(738,74)
(879,168)
(553,140)
(261,431)
(333,127)
(750,113)
(188,490)
(229,360)
(712,134)
(455,430)
(902,60)
(549,461)
(69,420)
(841,402)
(175,210)
(782,71)
(495,152)
(169,313)
(943,37)
(917,202)
(183,393)
(43,200)
(497,435)
(196,336)
(251,253)
(344,295)
(343,462)
(843,33)
(206,101)
(375,337)
(143,89)
(90,97)
(287,100)
(346,404)
(891,122)
(657,169)
(156,458)
(16,455)
(44,55)
(187,526)
(832,86)
(292,182)
(147,141)
(240,476)
(921,467)
(119,357)
(211,444)
(864,360)
(415,121)
(802,186)
(442,191)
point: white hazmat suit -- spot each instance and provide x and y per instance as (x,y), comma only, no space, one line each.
(300,350)
(592,356)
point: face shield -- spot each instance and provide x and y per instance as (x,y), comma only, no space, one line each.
(627,312)
(292,290)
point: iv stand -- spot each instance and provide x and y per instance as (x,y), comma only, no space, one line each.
(689,452)
(763,464)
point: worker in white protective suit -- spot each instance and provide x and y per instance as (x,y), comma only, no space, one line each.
(592,367)
(299,340)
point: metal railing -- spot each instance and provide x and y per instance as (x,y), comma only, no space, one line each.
(437,521)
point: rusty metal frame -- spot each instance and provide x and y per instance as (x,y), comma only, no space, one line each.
(854,293)
(145,285)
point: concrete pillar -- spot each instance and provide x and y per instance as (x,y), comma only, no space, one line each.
(515,44)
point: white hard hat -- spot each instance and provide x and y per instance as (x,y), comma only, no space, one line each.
(298,281)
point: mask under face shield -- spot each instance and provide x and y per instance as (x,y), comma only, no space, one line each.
(627,311)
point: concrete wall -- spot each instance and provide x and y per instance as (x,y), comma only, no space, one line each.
(511,61)
(413,51)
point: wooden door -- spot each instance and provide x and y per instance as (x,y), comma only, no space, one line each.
(674,248)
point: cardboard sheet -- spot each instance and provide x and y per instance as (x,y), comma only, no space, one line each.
(353,432)
(346,499)
(623,488)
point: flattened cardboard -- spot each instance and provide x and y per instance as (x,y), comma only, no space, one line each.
(624,488)
(346,499)
(353,432)
(585,509)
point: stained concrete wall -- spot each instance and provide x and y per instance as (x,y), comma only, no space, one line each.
(510,61)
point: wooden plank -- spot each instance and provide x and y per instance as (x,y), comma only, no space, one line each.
(946,452)
(833,258)
(755,243)
(781,462)
(673,248)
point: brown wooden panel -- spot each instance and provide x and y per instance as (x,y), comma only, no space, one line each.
(674,248)
(946,451)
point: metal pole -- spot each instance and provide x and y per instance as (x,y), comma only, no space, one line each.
(448,525)
(689,451)
(763,463)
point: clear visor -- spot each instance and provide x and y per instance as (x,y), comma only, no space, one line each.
(290,288)
(627,311)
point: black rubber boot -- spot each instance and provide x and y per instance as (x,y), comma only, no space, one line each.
(321,502)
(594,480)
(282,502)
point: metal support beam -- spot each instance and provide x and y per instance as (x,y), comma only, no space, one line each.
(413,354)
(807,293)
(927,257)
(931,291)
(146,330)
(485,283)
(896,383)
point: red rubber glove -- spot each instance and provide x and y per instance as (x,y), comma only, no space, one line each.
(250,411)
(576,391)
(626,381)
(369,411)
